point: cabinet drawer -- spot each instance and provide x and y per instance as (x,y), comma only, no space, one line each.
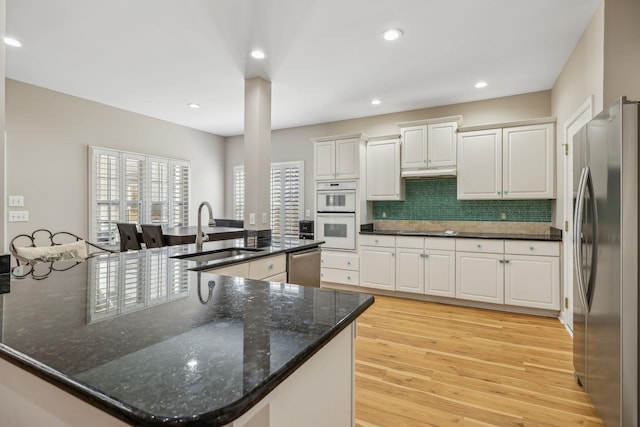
(410,242)
(378,240)
(480,245)
(340,261)
(266,267)
(333,275)
(440,243)
(280,277)
(237,270)
(531,247)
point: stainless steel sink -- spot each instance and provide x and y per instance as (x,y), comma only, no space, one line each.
(218,254)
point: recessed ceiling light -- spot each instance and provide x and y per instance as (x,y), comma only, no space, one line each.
(376,101)
(193,105)
(392,34)
(12,42)
(258,54)
(480,85)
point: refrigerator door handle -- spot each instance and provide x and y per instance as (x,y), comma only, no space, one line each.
(577,239)
(594,249)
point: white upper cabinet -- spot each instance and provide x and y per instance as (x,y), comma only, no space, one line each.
(429,143)
(414,147)
(508,163)
(528,162)
(383,169)
(336,159)
(480,164)
(441,140)
(324,156)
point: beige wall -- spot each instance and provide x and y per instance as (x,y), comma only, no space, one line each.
(621,50)
(580,79)
(3,197)
(47,138)
(294,143)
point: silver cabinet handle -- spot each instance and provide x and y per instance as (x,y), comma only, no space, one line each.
(348,262)
(499,192)
(531,248)
(348,277)
(479,246)
(270,266)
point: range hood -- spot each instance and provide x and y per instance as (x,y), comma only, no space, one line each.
(428,173)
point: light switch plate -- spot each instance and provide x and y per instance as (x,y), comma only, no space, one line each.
(308,213)
(18,216)
(264,217)
(16,201)
(252,219)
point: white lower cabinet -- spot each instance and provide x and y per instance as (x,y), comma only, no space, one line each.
(513,272)
(440,273)
(422,266)
(340,267)
(410,270)
(480,277)
(378,262)
(532,274)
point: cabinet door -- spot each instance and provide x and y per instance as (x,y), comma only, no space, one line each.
(414,147)
(480,277)
(480,164)
(347,158)
(528,162)
(441,146)
(324,158)
(532,281)
(378,267)
(410,270)
(440,273)
(383,170)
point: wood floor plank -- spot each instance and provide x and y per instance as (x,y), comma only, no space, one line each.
(426,364)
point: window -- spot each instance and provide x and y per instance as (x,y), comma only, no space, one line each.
(287,197)
(135,188)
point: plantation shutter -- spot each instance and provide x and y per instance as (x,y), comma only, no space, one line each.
(276,201)
(180,194)
(238,192)
(106,196)
(158,192)
(286,197)
(136,189)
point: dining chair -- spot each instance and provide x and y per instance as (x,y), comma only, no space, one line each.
(153,236)
(128,237)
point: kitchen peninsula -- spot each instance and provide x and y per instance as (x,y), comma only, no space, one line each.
(148,341)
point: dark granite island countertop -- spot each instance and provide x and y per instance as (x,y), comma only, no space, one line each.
(150,342)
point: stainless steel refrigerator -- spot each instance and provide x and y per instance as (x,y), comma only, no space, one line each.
(605,288)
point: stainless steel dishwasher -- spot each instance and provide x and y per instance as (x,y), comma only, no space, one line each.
(304,267)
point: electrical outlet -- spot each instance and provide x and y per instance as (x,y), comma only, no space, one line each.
(264,217)
(503,215)
(252,219)
(16,201)
(384,214)
(18,216)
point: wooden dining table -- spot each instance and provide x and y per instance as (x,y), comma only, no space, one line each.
(185,235)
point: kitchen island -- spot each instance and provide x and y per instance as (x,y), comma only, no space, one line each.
(140,338)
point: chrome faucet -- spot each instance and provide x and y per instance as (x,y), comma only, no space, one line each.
(200,236)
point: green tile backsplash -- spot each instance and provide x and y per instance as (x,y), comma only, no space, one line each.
(435,199)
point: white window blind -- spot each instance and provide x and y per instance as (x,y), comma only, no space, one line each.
(238,192)
(134,188)
(287,197)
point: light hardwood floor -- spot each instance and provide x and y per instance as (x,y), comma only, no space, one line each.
(427,364)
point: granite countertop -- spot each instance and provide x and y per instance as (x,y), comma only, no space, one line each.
(277,246)
(141,336)
(551,237)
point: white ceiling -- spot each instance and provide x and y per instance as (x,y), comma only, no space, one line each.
(326,59)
